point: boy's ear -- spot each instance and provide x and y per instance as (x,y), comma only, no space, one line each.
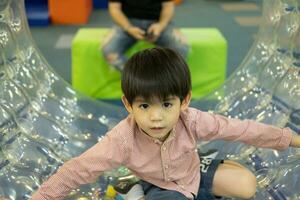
(186,101)
(126,104)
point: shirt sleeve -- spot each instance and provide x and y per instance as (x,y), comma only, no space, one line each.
(107,154)
(210,126)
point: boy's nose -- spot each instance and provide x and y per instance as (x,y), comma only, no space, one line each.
(156,114)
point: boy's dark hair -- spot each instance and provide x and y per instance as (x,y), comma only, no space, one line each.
(155,72)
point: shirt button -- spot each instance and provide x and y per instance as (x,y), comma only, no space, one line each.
(166,166)
(164,148)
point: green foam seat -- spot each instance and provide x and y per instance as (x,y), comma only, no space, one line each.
(92,76)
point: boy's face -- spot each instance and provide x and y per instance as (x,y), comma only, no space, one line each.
(156,117)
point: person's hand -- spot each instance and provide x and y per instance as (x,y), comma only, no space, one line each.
(136,32)
(154,32)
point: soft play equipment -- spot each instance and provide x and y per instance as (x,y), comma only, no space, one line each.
(70,11)
(37,12)
(100,4)
(92,76)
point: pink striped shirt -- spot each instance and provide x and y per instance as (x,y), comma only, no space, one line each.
(172,164)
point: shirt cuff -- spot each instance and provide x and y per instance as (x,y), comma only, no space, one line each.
(286,139)
(37,196)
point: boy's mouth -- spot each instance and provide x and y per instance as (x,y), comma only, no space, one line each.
(157,128)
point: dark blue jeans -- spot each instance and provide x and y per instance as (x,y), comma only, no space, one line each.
(208,168)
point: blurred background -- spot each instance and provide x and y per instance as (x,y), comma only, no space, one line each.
(236,20)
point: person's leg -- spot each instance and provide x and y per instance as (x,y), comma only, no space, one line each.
(115,45)
(221,178)
(153,192)
(173,38)
(233,180)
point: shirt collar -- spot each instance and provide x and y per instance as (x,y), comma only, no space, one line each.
(157,141)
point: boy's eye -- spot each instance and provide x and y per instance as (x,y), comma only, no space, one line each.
(167,105)
(144,106)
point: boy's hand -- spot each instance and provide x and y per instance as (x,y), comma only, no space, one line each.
(295,140)
(136,32)
(154,31)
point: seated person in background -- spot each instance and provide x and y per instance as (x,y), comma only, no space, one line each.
(158,140)
(141,20)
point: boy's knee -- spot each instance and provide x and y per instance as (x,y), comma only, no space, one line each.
(248,185)
(247,181)
(234,180)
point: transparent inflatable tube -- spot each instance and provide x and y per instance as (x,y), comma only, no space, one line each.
(265,88)
(44,122)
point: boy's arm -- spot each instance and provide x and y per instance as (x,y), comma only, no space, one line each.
(210,126)
(295,142)
(86,168)
(115,10)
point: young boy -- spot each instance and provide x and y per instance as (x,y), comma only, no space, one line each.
(158,140)
(141,20)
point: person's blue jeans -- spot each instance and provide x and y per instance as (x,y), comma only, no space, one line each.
(118,41)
